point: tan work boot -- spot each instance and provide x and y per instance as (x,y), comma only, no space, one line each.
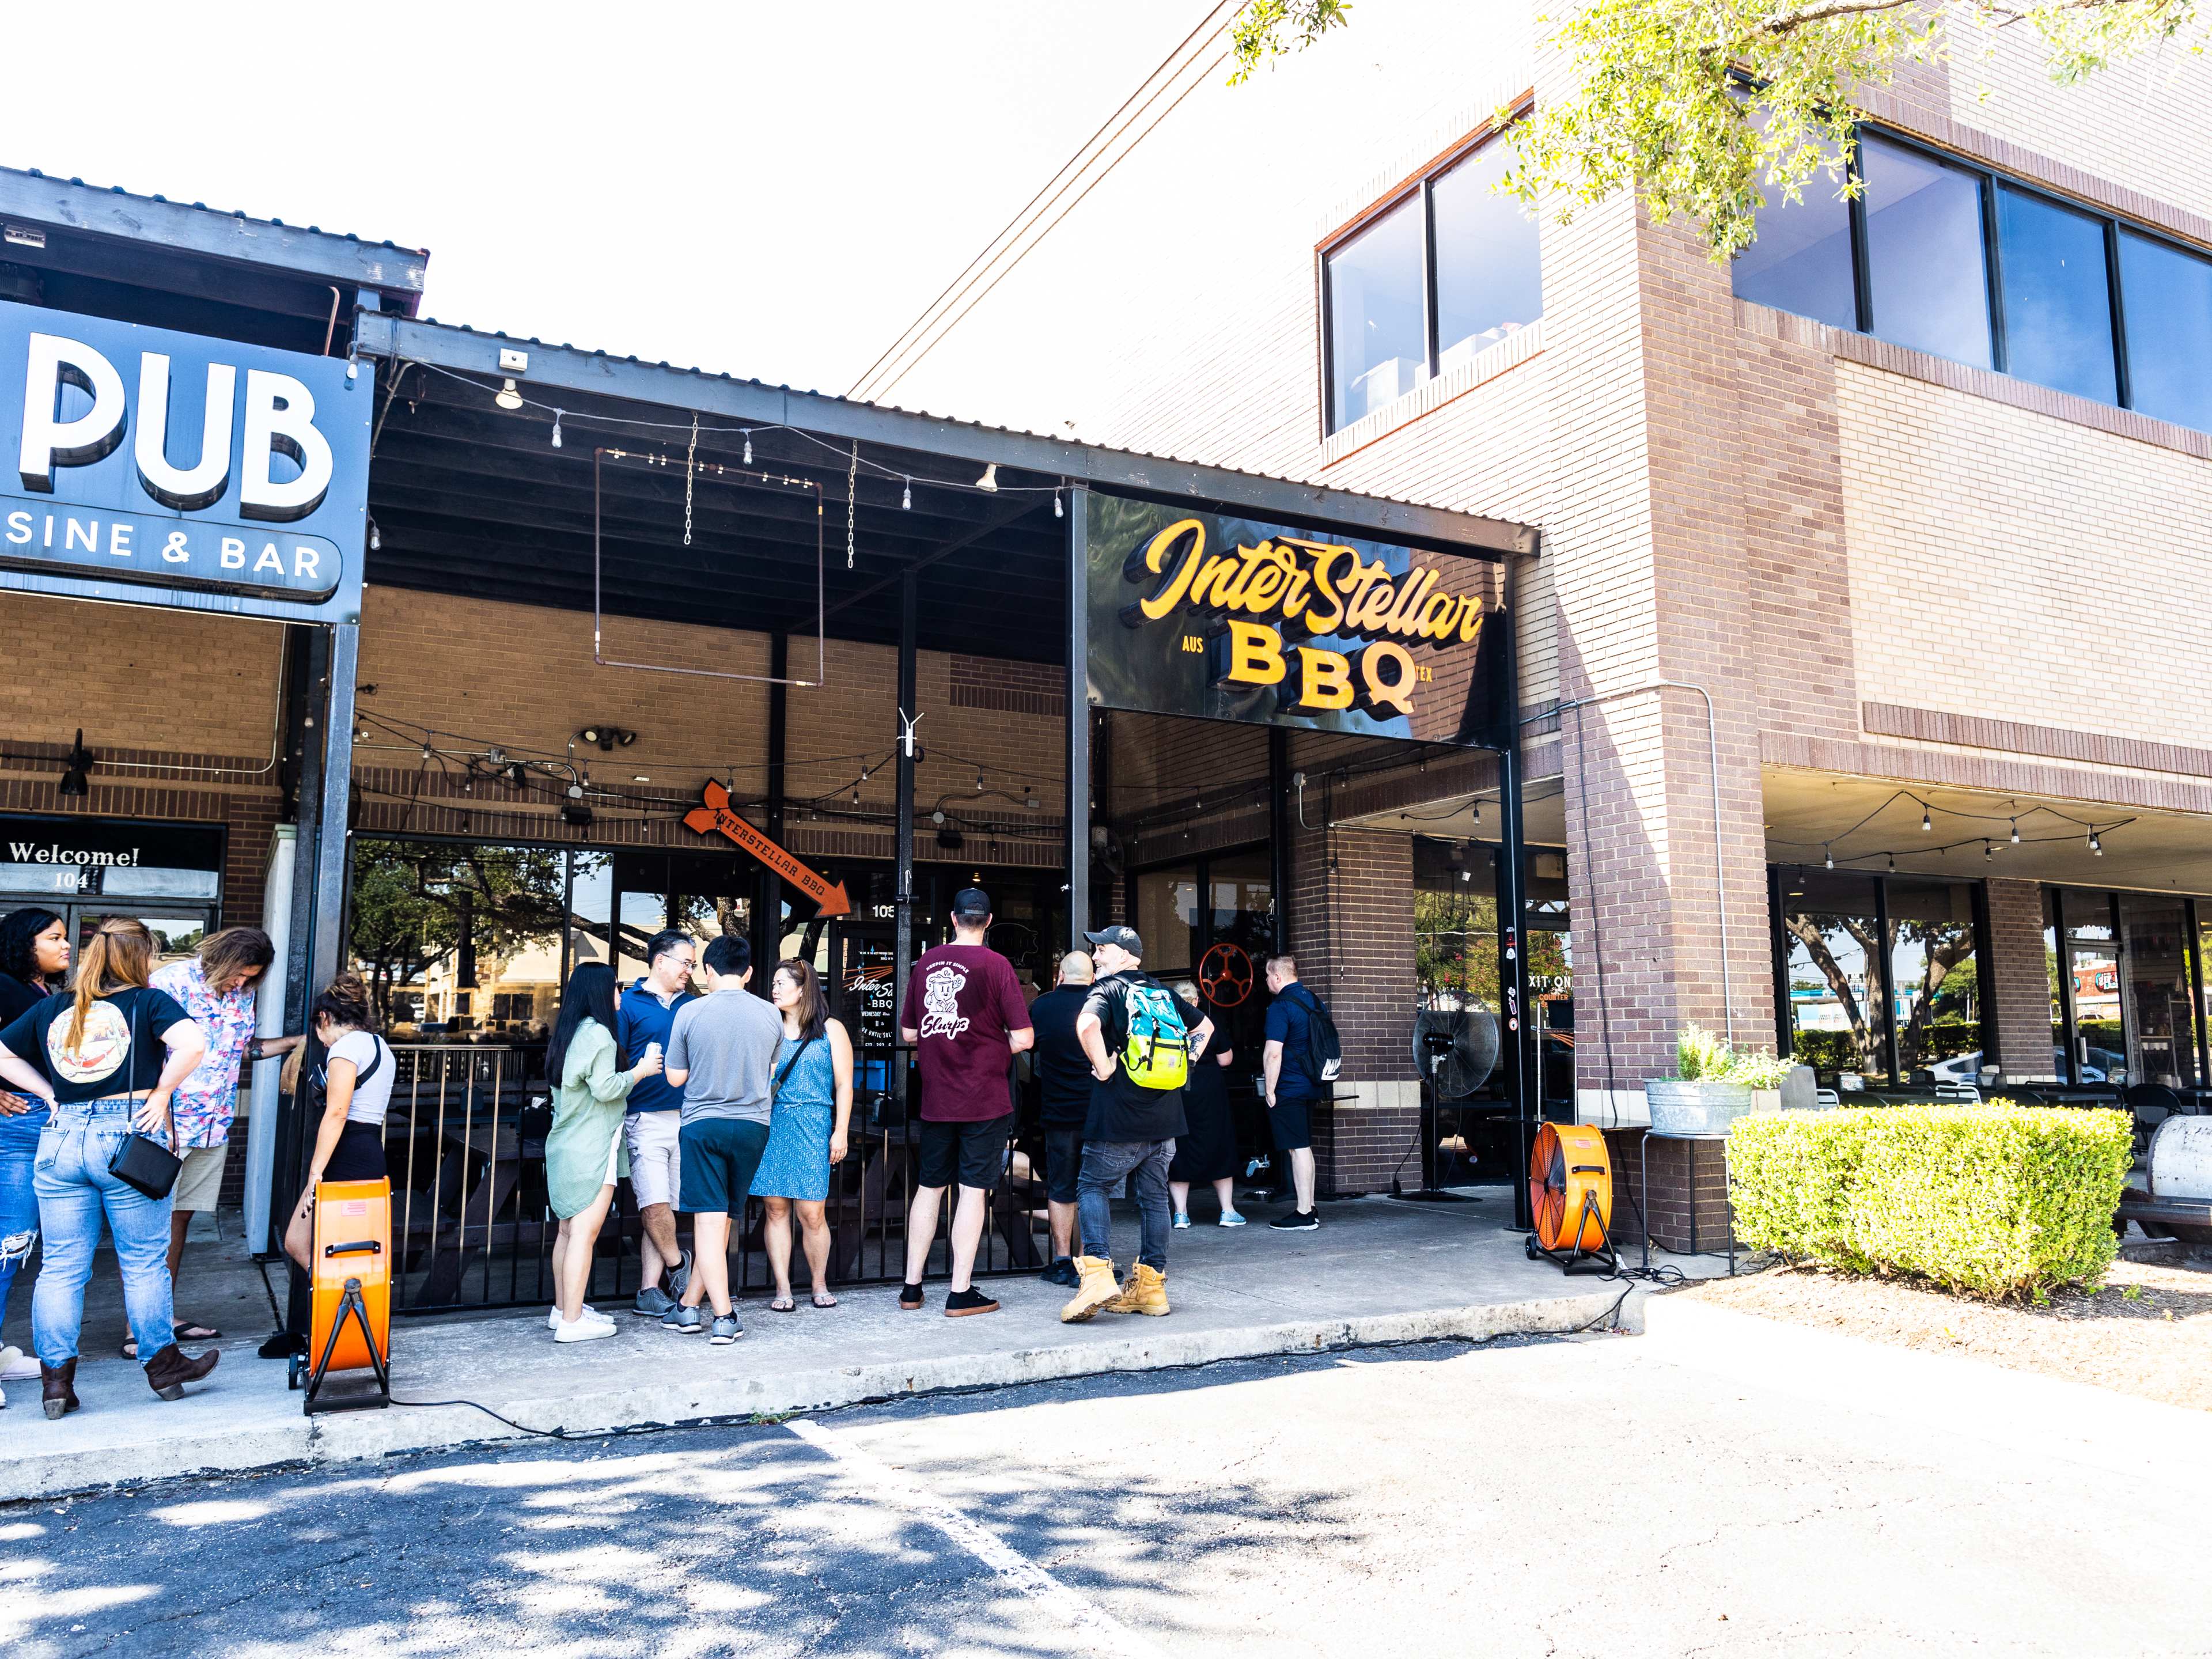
(1146,1292)
(1093,1292)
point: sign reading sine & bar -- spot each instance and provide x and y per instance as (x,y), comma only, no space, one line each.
(1224,618)
(140,458)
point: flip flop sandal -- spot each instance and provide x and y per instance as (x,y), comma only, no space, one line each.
(186,1330)
(824,1299)
(783,1304)
(130,1348)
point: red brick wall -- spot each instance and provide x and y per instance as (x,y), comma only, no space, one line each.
(2022,979)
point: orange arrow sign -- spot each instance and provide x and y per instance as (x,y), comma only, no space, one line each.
(714,813)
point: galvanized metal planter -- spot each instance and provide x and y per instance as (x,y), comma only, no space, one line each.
(1694,1109)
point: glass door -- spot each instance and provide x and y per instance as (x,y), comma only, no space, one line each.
(2099,1046)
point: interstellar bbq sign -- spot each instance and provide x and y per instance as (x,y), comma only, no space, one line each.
(1228,618)
(156,464)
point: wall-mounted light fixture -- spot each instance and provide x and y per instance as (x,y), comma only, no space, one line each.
(76,763)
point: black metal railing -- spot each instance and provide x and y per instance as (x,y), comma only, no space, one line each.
(464,1139)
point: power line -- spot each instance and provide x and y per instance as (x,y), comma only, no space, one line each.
(871,383)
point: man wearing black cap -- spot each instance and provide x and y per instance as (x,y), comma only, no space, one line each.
(965,1018)
(1142,1040)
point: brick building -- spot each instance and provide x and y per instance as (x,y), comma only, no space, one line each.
(1862,658)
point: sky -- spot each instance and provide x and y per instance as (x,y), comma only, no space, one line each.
(773,191)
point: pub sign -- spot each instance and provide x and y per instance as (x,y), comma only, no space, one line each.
(147,465)
(1228,618)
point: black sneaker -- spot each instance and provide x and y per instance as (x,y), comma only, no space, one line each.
(1062,1272)
(961,1303)
(910,1298)
(1298,1221)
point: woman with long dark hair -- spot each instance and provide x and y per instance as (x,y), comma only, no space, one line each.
(34,957)
(812,1102)
(106,1059)
(583,1151)
(353,1083)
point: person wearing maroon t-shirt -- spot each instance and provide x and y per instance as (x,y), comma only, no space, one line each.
(965,1017)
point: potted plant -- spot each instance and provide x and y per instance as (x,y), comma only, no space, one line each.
(1713,1085)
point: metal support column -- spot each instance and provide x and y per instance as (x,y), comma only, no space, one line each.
(902,881)
(1279,836)
(767,931)
(1078,717)
(1523,1046)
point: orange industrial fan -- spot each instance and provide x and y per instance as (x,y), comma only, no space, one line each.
(1571,1196)
(351,1324)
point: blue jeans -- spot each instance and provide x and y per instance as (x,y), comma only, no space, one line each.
(74,1192)
(1146,1163)
(19,1204)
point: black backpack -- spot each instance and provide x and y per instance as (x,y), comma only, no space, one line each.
(1324,1049)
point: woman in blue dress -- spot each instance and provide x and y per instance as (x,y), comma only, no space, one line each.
(806,1130)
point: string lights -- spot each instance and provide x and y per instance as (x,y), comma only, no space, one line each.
(2092,832)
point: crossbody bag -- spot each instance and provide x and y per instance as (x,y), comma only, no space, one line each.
(140,1160)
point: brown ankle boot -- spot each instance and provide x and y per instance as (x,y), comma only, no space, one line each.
(57,1386)
(167,1371)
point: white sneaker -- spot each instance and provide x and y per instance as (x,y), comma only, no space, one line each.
(583,1330)
(16,1366)
(590,1315)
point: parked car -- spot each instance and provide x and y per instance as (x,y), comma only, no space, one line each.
(2102,1066)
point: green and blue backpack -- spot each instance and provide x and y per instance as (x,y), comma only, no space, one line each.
(1156,1052)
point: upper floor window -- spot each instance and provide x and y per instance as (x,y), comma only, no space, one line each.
(1961,263)
(1435,278)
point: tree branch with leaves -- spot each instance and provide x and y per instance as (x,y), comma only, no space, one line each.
(1703,106)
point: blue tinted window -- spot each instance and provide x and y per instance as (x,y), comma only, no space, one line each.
(2167,297)
(1489,283)
(2058,303)
(1378,339)
(1801,261)
(1929,283)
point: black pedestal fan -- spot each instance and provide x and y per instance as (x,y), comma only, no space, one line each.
(1456,1048)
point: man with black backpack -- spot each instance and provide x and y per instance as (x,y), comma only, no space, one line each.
(1300,1063)
(1141,1039)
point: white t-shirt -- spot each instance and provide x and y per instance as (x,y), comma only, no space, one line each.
(372,1097)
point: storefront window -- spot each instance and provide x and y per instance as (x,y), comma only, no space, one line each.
(1167,919)
(2155,995)
(1936,982)
(1836,1000)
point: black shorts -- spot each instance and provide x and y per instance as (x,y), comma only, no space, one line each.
(1289,1121)
(717,1160)
(359,1155)
(976,1153)
(1063,1161)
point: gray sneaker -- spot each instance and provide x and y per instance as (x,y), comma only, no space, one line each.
(680,1277)
(653,1302)
(726,1330)
(684,1322)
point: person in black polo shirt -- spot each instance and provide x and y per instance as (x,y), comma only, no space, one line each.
(1291,1088)
(1064,1080)
(1142,1040)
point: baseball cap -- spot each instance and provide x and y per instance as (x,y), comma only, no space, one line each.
(971,902)
(1125,937)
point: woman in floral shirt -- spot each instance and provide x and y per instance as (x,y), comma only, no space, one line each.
(215,988)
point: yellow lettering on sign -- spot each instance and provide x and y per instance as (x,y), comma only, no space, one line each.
(1386,677)
(1324,678)
(1192,534)
(1256,655)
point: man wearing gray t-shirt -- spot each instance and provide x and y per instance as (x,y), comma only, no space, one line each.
(721,1053)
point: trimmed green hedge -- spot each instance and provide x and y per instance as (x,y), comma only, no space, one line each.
(1993,1200)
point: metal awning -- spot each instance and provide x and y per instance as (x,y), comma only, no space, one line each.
(472,499)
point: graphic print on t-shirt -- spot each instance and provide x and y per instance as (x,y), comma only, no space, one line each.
(106,1047)
(940,1001)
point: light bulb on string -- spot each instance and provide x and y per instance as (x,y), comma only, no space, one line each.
(1831,856)
(1985,850)
(1058,511)
(557,429)
(1892,864)
(748,449)
(2015,832)
(979,783)
(375,540)
(906,497)
(2095,845)
(1926,821)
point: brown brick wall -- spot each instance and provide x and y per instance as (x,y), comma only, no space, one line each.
(2023,979)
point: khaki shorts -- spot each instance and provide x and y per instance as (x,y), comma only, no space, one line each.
(656,1166)
(201,1179)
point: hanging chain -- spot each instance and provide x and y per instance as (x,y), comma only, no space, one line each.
(852,489)
(690,467)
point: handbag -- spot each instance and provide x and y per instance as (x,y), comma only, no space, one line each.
(140,1161)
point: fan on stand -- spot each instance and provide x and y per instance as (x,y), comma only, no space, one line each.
(1570,1198)
(1456,1048)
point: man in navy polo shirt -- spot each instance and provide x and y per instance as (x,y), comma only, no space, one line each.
(1292,1088)
(647,1015)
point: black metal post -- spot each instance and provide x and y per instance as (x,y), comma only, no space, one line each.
(769,930)
(902,892)
(2070,1074)
(2196,990)
(1278,834)
(1079,716)
(1525,1056)
(1882,976)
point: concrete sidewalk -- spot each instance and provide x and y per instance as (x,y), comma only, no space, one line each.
(1377,1272)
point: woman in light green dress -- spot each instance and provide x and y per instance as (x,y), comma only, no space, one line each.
(583,1150)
